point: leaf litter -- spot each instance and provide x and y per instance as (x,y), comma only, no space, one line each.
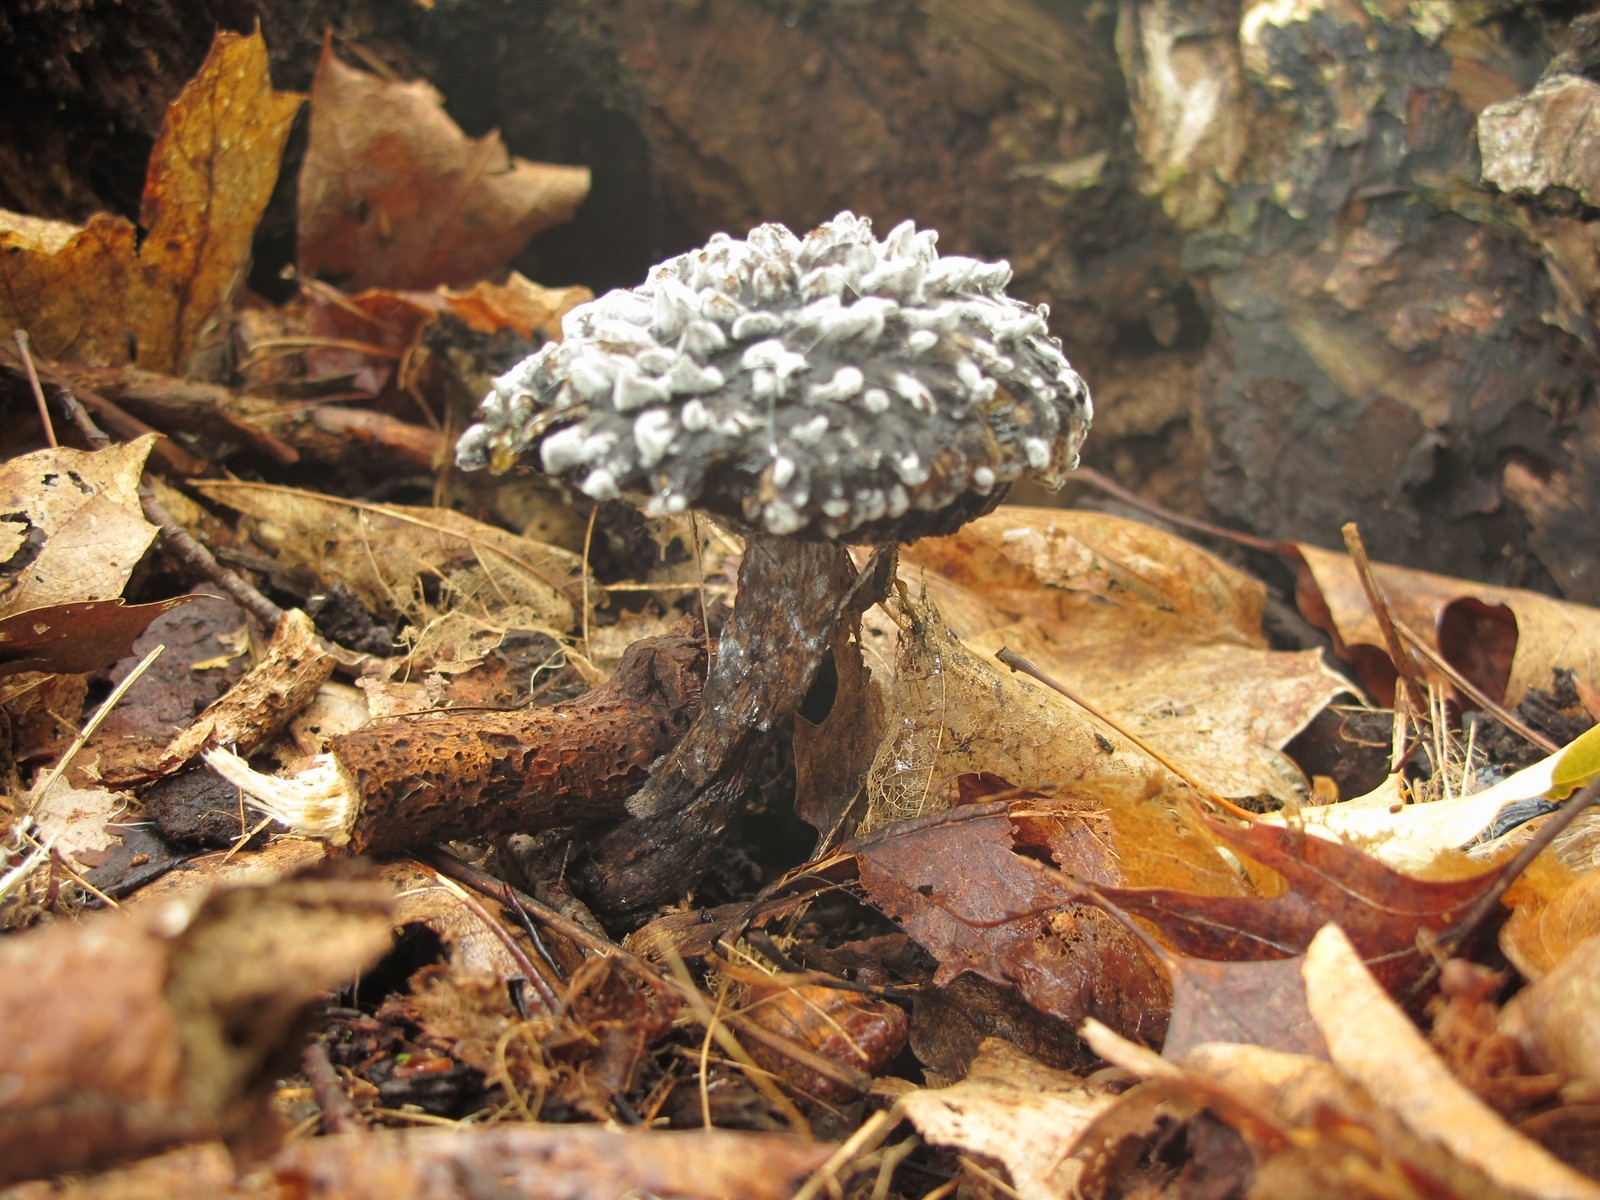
(994,859)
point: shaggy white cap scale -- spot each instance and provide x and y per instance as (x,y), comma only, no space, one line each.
(832,386)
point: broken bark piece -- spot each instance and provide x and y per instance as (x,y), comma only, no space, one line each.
(207,997)
(269,695)
(396,785)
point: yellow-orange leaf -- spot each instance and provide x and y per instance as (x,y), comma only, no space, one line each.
(102,296)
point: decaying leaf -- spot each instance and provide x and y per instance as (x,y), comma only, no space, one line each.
(110,294)
(1150,630)
(393,194)
(955,883)
(1381,910)
(955,712)
(1504,640)
(386,552)
(74,530)
(1015,1110)
(75,637)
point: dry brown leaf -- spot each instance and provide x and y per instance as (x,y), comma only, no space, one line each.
(73,823)
(324,342)
(1148,629)
(954,712)
(110,294)
(518,304)
(1016,1111)
(393,194)
(73,529)
(957,886)
(385,552)
(1505,640)
(1372,1042)
(77,637)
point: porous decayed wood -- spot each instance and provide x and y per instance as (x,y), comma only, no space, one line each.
(422,780)
(130,1033)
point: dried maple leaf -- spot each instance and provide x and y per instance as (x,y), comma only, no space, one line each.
(109,294)
(393,194)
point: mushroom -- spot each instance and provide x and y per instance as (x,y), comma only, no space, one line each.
(810,392)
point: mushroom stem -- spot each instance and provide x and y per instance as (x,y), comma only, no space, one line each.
(791,597)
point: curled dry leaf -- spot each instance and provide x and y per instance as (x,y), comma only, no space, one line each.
(518,304)
(858,1032)
(393,194)
(110,294)
(1504,640)
(383,552)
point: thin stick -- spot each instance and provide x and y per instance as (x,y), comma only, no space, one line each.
(588,540)
(1486,904)
(188,552)
(93,723)
(547,997)
(1409,684)
(1017,663)
(1106,484)
(337,1108)
(1471,690)
(21,336)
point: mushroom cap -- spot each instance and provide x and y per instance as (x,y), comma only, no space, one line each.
(827,387)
